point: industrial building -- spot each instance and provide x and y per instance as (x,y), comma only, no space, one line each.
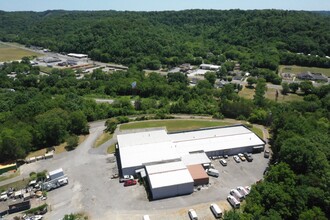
(78,55)
(168,179)
(173,162)
(209,67)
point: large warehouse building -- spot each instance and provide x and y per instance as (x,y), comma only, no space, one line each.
(167,156)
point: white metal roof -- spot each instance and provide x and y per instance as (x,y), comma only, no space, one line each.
(137,155)
(165,167)
(170,178)
(211,66)
(78,55)
(197,72)
(51,173)
(151,146)
(218,143)
(139,138)
(168,174)
(209,133)
(195,158)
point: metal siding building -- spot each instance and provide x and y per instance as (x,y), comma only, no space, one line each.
(139,148)
(169,179)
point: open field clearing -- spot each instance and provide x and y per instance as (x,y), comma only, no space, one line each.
(8,53)
(270,94)
(46,69)
(302,69)
(174,125)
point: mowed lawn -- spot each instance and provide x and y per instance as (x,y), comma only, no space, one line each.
(8,53)
(302,69)
(174,124)
(270,94)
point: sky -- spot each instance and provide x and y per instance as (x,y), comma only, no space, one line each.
(157,5)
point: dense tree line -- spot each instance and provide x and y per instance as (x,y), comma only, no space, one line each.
(48,109)
(297,184)
(257,38)
(39,111)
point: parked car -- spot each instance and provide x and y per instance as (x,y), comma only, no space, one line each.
(192,214)
(233,201)
(225,156)
(130,183)
(126,178)
(248,157)
(236,158)
(241,156)
(266,154)
(223,162)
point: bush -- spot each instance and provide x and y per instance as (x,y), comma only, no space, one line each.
(163,116)
(142,118)
(33,176)
(72,142)
(111,125)
(37,210)
(122,119)
(41,175)
(218,115)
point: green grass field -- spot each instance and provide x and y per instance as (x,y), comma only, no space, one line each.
(46,69)
(8,53)
(301,69)
(270,94)
(257,131)
(17,185)
(174,125)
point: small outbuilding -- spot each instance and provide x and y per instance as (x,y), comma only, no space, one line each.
(198,174)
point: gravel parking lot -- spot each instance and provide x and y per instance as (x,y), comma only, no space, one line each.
(134,198)
(91,189)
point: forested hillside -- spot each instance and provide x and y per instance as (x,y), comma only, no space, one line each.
(256,38)
(38,110)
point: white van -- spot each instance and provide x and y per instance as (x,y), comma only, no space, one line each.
(213,172)
(237,194)
(146,217)
(216,210)
(242,190)
(192,214)
(234,202)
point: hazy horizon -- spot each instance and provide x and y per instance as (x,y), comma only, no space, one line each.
(168,5)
